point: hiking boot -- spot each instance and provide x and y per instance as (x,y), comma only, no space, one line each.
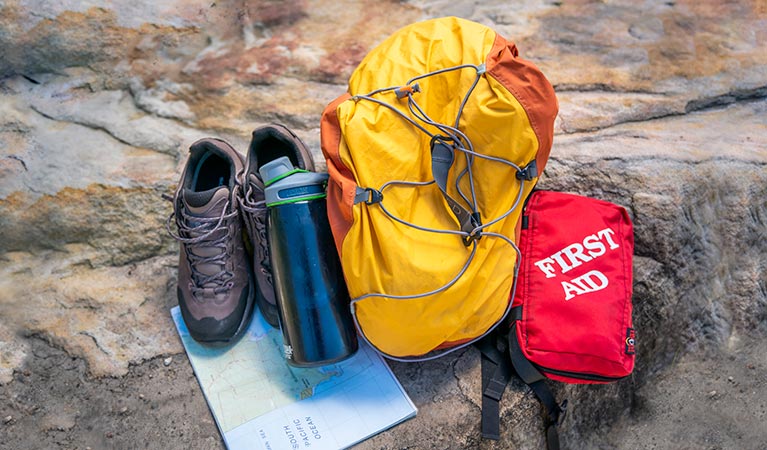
(269,143)
(215,286)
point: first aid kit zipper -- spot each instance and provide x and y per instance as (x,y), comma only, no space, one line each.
(582,376)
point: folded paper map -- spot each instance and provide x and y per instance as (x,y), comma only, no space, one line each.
(259,402)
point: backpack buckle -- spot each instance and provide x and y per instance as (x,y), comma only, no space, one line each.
(476,234)
(562,412)
(528,172)
(557,416)
(375,196)
(367,195)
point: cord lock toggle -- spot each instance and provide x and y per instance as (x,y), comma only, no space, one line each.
(404,91)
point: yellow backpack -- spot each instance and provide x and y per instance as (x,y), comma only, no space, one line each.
(431,153)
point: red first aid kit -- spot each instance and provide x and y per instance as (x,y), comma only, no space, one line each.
(573,304)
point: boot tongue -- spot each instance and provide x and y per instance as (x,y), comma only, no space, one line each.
(205,203)
(255,180)
(208,204)
(256,190)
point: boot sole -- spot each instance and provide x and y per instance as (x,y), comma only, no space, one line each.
(247,316)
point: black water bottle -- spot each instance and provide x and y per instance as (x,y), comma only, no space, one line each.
(312,297)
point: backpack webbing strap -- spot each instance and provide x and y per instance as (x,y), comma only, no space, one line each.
(442,156)
(555,412)
(496,373)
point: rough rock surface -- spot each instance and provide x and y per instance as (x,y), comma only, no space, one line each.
(663,109)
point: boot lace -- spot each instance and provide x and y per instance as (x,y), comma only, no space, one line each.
(205,232)
(256,226)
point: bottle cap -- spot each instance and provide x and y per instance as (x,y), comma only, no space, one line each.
(287,184)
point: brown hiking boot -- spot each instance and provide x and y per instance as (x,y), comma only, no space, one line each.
(269,143)
(215,286)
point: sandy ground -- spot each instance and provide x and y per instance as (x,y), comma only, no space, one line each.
(52,403)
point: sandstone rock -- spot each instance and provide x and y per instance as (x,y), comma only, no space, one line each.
(111,316)
(44,38)
(115,113)
(163,99)
(590,111)
(42,156)
(225,51)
